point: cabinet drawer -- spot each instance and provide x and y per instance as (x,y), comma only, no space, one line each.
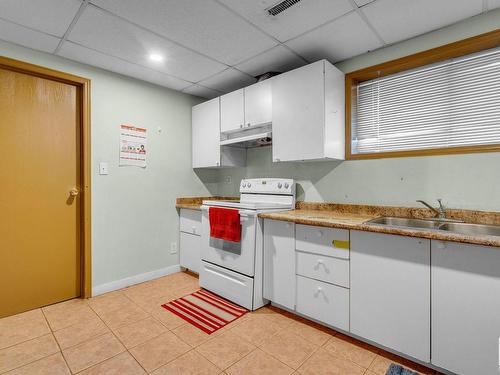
(190,221)
(324,241)
(231,285)
(324,302)
(328,269)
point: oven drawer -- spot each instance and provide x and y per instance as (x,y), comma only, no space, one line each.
(190,221)
(321,240)
(324,302)
(233,286)
(236,256)
(320,267)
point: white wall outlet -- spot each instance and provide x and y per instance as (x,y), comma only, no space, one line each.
(173,247)
(227,179)
(103,168)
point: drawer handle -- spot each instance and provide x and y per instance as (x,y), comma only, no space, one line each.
(318,291)
(321,263)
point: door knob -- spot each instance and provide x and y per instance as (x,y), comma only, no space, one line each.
(74,192)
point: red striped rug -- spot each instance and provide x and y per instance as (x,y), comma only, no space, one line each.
(205,310)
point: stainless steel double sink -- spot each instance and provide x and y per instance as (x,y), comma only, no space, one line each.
(439,224)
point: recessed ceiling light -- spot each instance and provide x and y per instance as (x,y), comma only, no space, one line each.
(156,57)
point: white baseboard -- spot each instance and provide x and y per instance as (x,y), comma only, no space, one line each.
(132,280)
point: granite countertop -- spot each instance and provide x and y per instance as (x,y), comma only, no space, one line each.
(354,217)
(194,203)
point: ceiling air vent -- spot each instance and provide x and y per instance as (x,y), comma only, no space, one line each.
(281,7)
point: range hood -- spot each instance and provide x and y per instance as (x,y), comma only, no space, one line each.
(248,138)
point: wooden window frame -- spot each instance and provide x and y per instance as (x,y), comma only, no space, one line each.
(83,89)
(434,55)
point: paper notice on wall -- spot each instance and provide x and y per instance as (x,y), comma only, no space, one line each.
(133,146)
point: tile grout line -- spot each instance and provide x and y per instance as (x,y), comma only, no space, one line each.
(30,362)
(32,338)
(116,337)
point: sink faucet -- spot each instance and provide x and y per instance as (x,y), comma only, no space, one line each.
(441,212)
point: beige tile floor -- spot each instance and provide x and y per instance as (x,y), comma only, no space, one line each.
(128,332)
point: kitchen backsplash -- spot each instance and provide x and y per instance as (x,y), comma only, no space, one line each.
(469,181)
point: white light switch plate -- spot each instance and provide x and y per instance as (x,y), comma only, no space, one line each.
(103,168)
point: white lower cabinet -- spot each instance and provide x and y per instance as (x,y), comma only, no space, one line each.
(390,291)
(465,308)
(190,240)
(279,262)
(324,302)
(190,252)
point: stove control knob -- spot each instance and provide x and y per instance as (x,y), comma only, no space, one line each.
(279,185)
(249,184)
(286,185)
(244,184)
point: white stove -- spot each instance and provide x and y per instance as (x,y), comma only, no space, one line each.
(233,270)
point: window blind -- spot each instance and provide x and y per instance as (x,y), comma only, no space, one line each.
(448,104)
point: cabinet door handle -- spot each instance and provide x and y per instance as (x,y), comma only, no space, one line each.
(241,125)
(248,124)
(194,229)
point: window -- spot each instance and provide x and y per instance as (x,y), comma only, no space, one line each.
(451,105)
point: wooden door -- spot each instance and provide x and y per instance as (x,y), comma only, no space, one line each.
(40,174)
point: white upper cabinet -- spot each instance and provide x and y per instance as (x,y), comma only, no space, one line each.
(232,111)
(206,134)
(244,108)
(258,104)
(465,308)
(308,113)
(391,291)
(206,148)
(305,107)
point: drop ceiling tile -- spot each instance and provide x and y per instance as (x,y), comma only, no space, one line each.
(228,80)
(294,21)
(50,16)
(346,37)
(201,91)
(88,56)
(397,20)
(203,25)
(113,36)
(361,3)
(23,36)
(278,59)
